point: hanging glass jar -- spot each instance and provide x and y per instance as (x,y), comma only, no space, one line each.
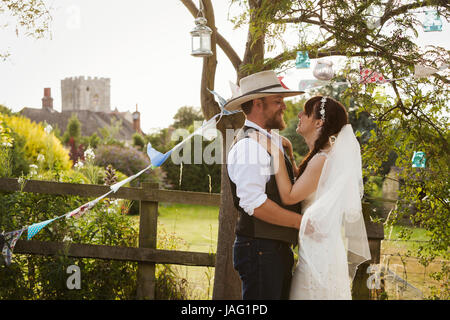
(432,21)
(302,61)
(324,70)
(418,160)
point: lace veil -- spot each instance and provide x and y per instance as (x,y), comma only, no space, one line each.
(336,213)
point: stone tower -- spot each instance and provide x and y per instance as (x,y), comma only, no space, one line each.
(91,94)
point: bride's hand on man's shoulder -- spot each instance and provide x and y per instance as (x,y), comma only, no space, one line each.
(287,144)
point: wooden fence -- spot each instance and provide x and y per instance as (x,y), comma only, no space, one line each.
(146,254)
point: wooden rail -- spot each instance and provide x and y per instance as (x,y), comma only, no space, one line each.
(146,254)
(93,190)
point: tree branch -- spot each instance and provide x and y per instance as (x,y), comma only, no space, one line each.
(221,41)
(410,6)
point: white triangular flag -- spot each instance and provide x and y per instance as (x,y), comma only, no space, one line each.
(235,90)
(421,71)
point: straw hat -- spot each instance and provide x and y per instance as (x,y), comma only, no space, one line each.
(259,85)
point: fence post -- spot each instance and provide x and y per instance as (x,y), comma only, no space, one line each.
(375,233)
(148,216)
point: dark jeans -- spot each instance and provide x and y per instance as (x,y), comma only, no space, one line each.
(264,266)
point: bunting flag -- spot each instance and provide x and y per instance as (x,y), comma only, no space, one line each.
(370,76)
(282,84)
(35,228)
(156,157)
(221,101)
(120,184)
(78,212)
(421,71)
(8,242)
(235,90)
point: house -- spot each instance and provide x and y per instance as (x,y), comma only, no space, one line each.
(89,99)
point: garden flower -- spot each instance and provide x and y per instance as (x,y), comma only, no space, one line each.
(48,129)
(78,165)
(7,144)
(33,169)
(89,154)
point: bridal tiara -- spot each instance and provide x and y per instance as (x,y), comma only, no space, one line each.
(322,108)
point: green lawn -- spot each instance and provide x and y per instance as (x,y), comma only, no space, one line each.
(401,256)
(196,225)
(189,228)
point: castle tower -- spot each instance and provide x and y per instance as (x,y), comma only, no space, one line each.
(91,94)
(47,100)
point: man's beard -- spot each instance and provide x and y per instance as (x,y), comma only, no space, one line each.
(276,123)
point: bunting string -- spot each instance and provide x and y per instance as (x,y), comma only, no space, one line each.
(9,239)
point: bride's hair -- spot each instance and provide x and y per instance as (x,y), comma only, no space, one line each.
(335,118)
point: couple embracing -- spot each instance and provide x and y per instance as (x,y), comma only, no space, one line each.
(316,205)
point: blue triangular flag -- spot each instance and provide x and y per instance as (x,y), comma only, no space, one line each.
(220,100)
(35,228)
(222,103)
(156,157)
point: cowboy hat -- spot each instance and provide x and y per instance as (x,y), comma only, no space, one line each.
(259,85)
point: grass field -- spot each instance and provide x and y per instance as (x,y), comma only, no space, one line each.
(189,228)
(401,257)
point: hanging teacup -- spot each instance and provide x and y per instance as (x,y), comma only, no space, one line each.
(324,70)
(302,61)
(432,21)
(419,160)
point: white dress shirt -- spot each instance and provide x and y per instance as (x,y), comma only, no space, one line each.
(249,167)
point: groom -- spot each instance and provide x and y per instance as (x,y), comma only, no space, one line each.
(266,229)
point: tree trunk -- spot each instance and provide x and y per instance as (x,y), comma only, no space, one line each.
(227,285)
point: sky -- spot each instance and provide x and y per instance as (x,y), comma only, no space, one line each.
(143,47)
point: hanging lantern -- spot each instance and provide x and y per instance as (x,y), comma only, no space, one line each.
(324,70)
(432,21)
(302,61)
(201,36)
(418,159)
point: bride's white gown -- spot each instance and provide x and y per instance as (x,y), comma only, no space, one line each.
(331,250)
(336,284)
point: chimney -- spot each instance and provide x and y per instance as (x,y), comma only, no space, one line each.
(47,100)
(137,120)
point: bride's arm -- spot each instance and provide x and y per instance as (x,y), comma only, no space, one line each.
(305,184)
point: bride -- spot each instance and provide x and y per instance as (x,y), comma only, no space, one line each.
(332,236)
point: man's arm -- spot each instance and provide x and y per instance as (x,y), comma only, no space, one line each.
(271,212)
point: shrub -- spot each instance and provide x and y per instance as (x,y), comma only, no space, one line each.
(36,141)
(194,177)
(127,160)
(138,141)
(39,277)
